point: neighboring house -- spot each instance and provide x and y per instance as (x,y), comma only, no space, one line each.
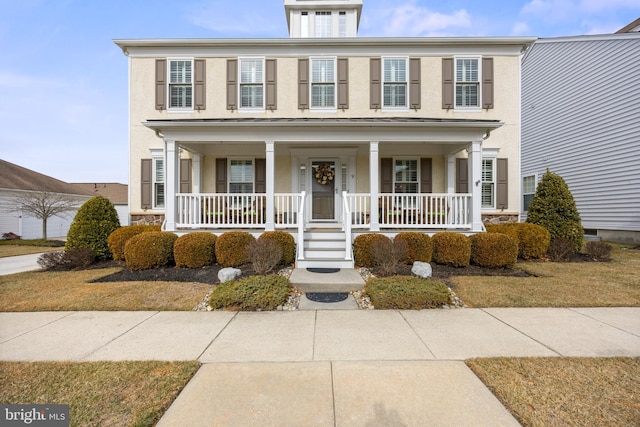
(117,193)
(325,134)
(17,181)
(581,120)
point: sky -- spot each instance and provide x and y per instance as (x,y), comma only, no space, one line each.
(63,82)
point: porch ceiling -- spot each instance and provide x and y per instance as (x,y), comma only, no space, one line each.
(327,130)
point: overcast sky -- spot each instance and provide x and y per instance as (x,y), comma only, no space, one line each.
(63,82)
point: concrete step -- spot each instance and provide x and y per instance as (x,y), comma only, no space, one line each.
(325,253)
(345,280)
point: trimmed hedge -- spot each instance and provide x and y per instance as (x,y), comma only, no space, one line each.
(119,237)
(149,250)
(419,246)
(407,293)
(232,248)
(94,222)
(362,248)
(451,249)
(251,293)
(533,240)
(195,250)
(493,250)
(286,242)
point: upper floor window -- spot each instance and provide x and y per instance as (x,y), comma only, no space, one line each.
(252,83)
(394,91)
(323,83)
(342,24)
(323,24)
(180,84)
(467,83)
(304,24)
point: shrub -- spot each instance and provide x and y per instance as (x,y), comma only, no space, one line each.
(10,236)
(533,240)
(598,250)
(264,255)
(94,222)
(389,255)
(149,250)
(451,249)
(232,248)
(418,246)
(493,250)
(66,260)
(251,293)
(362,245)
(52,260)
(195,250)
(561,250)
(554,208)
(119,237)
(286,242)
(407,293)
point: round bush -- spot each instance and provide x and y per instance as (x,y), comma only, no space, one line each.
(533,240)
(119,237)
(362,248)
(94,222)
(149,250)
(451,249)
(287,244)
(232,248)
(418,246)
(195,250)
(493,250)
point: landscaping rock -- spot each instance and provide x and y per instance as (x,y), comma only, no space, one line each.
(229,273)
(422,269)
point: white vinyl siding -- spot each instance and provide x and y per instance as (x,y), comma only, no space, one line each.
(467,75)
(323,83)
(395,78)
(488,183)
(252,83)
(323,24)
(180,84)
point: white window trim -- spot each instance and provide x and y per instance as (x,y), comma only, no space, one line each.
(193,95)
(455,82)
(408,79)
(330,109)
(535,186)
(253,169)
(242,109)
(157,154)
(418,177)
(490,154)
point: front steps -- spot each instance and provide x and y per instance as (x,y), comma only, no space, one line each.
(324,248)
(345,280)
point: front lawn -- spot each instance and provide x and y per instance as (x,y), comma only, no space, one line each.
(27,247)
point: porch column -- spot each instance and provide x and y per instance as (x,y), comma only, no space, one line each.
(197,173)
(171,184)
(270,184)
(374,222)
(475,185)
(451,174)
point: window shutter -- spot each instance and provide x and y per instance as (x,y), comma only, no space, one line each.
(185,175)
(161,85)
(221,175)
(462,175)
(414,86)
(487,83)
(447,83)
(232,84)
(271,84)
(386,175)
(426,182)
(343,83)
(303,84)
(375,85)
(199,79)
(146,183)
(261,175)
(502,184)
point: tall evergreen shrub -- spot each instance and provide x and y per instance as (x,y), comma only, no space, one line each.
(95,221)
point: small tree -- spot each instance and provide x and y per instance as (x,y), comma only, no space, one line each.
(554,208)
(44,205)
(92,225)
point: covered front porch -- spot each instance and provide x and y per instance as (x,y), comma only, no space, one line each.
(326,180)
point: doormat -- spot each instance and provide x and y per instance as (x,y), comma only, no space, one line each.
(323,270)
(326,296)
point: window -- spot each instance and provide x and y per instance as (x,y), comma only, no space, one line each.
(394,92)
(323,83)
(241,176)
(342,24)
(323,24)
(181,84)
(252,83)
(406,176)
(304,24)
(488,183)
(158,182)
(467,83)
(528,191)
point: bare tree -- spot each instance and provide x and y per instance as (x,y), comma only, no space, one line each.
(44,205)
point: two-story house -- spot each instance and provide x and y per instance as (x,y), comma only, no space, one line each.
(325,134)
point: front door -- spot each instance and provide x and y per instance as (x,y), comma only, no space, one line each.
(323,190)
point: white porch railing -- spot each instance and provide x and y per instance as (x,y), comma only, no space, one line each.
(347,224)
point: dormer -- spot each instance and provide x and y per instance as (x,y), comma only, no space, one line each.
(323,18)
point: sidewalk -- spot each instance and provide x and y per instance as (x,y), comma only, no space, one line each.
(324,367)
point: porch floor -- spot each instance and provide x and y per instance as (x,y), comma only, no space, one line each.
(345,280)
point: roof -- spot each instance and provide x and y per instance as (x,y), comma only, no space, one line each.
(330,121)
(632,27)
(117,193)
(14,177)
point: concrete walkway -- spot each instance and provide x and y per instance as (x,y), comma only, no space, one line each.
(19,264)
(326,367)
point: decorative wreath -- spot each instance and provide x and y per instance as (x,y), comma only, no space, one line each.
(324,174)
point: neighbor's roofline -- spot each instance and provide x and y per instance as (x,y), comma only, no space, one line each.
(589,37)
